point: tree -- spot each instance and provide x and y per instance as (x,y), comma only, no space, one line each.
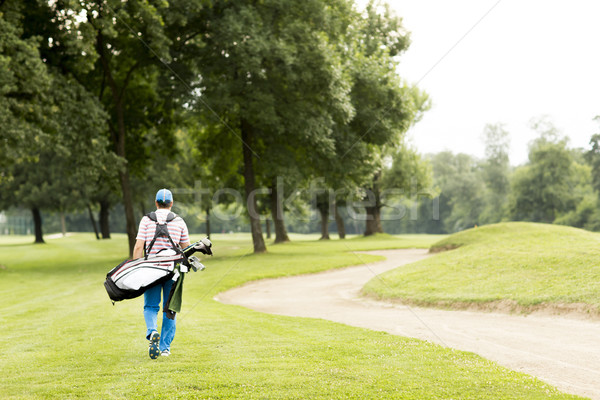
(543,188)
(122,57)
(105,194)
(384,108)
(66,165)
(271,72)
(593,159)
(495,169)
(408,175)
(323,205)
(585,213)
(277,194)
(24,81)
(121,52)
(586,167)
(458,179)
(403,157)
(61,164)
(215,172)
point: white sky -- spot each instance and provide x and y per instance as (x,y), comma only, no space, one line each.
(525,59)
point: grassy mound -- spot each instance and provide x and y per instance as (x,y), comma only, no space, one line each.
(522,265)
(62,338)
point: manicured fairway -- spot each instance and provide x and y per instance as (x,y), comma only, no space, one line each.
(528,264)
(63,339)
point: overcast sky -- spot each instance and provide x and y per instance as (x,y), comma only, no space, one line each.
(525,59)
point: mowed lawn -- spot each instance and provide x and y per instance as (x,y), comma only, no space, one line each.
(63,339)
(531,265)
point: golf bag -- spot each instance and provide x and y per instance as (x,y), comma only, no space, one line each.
(132,278)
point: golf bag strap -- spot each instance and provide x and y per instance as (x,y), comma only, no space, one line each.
(159,231)
(170,313)
(173,304)
(170,217)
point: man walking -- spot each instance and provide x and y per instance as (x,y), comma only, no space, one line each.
(160,344)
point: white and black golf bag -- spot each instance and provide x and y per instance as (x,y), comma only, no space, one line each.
(132,278)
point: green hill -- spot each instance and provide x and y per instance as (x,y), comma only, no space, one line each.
(519,265)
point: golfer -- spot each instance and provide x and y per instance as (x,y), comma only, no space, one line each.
(160,344)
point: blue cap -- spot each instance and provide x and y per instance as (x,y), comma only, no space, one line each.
(164,195)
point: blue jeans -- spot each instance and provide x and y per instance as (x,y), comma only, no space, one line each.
(151,309)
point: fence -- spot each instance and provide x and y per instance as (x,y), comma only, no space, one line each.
(15,224)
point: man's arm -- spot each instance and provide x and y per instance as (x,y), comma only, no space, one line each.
(184,235)
(138,249)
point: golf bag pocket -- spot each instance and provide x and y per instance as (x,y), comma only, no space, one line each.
(132,278)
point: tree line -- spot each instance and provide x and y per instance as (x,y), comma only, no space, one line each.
(558,184)
(283,108)
(104,101)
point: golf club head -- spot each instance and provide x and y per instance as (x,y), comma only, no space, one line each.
(195,264)
(206,245)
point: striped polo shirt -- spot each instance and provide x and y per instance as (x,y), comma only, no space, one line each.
(177,230)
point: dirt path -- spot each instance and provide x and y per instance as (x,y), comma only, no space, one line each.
(561,351)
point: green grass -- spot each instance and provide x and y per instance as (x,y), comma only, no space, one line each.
(530,265)
(62,338)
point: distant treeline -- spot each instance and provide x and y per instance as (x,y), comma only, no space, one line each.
(558,185)
(269,116)
(103,103)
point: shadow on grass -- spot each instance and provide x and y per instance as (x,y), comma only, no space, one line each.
(28,243)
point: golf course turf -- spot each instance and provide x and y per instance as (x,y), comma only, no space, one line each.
(518,265)
(62,337)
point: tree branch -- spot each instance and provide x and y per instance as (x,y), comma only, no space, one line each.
(102,87)
(105,65)
(113,134)
(190,37)
(77,79)
(126,80)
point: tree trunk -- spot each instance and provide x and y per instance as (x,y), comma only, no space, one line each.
(373,221)
(268,226)
(63,224)
(117,98)
(250,186)
(126,189)
(208,222)
(339,222)
(373,225)
(37,223)
(104,219)
(93,222)
(324,210)
(281,234)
